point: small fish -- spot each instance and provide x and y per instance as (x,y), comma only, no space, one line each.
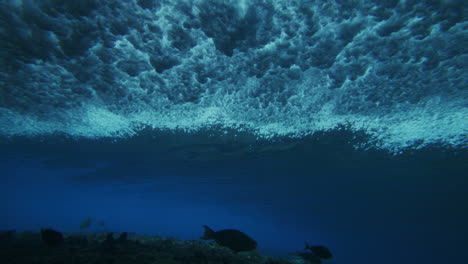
(52,238)
(230,238)
(86,223)
(320,251)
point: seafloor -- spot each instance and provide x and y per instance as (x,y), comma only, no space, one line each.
(102,248)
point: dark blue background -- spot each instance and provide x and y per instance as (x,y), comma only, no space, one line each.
(367,206)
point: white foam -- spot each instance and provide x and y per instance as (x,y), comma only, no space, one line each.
(267,102)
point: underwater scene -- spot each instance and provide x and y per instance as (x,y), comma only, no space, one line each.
(233,131)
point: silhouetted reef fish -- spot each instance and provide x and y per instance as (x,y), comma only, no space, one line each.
(321,251)
(230,238)
(52,238)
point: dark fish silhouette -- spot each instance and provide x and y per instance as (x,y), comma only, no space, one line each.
(52,238)
(230,238)
(320,251)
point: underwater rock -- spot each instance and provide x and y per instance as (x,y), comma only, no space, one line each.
(276,261)
(52,238)
(230,238)
(28,248)
(123,238)
(109,244)
(7,237)
(77,241)
(312,258)
(109,238)
(320,251)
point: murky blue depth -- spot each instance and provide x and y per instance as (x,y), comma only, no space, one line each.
(342,123)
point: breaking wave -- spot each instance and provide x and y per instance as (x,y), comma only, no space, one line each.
(395,70)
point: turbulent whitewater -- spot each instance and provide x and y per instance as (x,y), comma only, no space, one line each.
(395,70)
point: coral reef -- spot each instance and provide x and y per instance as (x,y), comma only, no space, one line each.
(109,248)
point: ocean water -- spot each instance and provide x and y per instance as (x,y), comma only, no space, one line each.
(342,122)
